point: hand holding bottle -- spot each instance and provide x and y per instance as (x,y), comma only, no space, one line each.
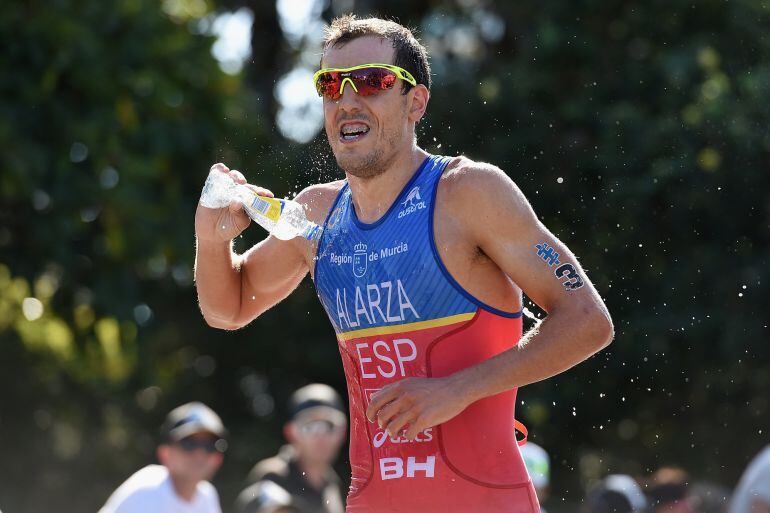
(238,201)
(219,217)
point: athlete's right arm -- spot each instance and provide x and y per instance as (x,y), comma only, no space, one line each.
(235,289)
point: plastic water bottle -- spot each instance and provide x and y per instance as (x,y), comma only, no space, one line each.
(285,219)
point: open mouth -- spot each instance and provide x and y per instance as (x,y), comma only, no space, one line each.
(350,132)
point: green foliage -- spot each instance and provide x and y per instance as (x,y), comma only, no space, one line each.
(639,133)
(112,113)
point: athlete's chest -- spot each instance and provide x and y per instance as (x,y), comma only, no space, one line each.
(374,277)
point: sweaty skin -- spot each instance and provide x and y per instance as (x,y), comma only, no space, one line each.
(485,232)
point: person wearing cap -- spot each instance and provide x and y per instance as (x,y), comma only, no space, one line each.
(190,453)
(303,468)
(616,493)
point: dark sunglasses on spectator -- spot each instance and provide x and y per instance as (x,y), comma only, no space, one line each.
(210,446)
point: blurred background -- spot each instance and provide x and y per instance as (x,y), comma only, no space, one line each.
(638,130)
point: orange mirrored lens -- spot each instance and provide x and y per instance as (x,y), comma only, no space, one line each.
(367,81)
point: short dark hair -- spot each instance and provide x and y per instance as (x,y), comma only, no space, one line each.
(410,54)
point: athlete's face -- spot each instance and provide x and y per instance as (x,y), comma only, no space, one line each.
(191,459)
(387,118)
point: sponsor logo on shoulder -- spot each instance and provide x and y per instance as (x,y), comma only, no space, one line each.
(412,203)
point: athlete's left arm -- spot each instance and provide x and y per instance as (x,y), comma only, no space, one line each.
(501,222)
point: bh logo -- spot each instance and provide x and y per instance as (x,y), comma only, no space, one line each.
(359,260)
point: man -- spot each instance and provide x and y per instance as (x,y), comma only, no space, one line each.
(315,432)
(752,495)
(421,269)
(191,452)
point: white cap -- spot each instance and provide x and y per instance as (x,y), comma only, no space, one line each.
(627,486)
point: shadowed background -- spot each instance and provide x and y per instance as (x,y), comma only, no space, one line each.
(638,132)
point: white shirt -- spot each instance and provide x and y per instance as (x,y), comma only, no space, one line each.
(150,490)
(754,484)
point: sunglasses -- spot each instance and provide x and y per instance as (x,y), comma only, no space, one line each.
(317,428)
(365,79)
(208,446)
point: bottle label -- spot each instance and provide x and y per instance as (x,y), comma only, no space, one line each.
(312,232)
(270,208)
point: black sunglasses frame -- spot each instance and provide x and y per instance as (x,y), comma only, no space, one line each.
(190,445)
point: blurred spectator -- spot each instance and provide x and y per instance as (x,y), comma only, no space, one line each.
(190,453)
(667,491)
(708,497)
(538,467)
(303,468)
(265,497)
(752,495)
(616,493)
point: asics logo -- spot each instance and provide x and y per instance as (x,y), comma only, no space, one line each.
(382,436)
(379,439)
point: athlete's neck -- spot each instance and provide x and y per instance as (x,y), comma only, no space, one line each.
(185,489)
(372,197)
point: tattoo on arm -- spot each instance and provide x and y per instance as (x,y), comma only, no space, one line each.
(573,279)
(548,254)
(568,271)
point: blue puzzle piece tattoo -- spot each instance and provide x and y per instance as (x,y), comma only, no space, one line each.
(547,253)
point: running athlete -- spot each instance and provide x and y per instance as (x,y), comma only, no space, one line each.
(421,268)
